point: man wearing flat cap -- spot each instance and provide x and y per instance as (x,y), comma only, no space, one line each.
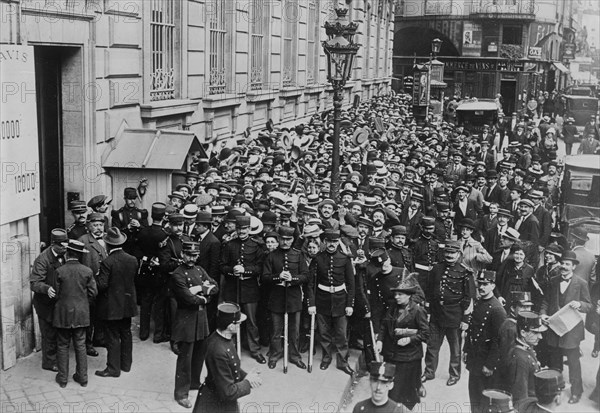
(242,261)
(449,292)
(482,344)
(130,219)
(567,290)
(193,289)
(286,270)
(226,381)
(75,287)
(549,385)
(117,304)
(330,295)
(381,381)
(42,281)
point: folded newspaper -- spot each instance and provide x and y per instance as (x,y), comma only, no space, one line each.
(564,320)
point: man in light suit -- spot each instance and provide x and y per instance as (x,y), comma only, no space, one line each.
(97,253)
(562,291)
(529,228)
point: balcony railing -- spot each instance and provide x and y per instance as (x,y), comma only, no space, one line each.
(504,9)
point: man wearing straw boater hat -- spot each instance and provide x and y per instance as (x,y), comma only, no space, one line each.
(116,303)
(75,286)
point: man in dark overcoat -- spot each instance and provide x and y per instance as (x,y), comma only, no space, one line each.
(116,303)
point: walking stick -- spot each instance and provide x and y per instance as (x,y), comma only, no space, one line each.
(238,336)
(285,334)
(377,355)
(311,346)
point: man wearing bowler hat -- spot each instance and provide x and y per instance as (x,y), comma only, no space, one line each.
(130,219)
(43,284)
(549,385)
(75,287)
(482,350)
(330,295)
(573,291)
(522,362)
(193,289)
(381,381)
(147,282)
(449,292)
(226,381)
(242,261)
(117,303)
(286,270)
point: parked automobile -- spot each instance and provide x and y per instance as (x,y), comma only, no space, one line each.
(474,113)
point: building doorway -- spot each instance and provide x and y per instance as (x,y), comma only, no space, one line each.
(54,68)
(508,91)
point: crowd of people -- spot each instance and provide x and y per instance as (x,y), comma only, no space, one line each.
(435,232)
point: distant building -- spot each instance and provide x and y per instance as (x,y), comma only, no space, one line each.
(113,78)
(511,47)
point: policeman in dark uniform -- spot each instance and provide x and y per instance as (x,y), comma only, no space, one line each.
(451,290)
(170,256)
(225,380)
(520,301)
(147,251)
(522,362)
(193,289)
(482,351)
(287,271)
(381,381)
(330,295)
(400,255)
(130,219)
(549,385)
(79,227)
(425,251)
(242,261)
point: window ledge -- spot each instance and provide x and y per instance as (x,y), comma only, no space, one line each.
(291,92)
(314,88)
(261,95)
(164,108)
(349,85)
(222,101)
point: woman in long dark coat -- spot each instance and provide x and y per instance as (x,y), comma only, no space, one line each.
(404,329)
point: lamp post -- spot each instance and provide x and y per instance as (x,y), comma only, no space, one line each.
(340,50)
(436,45)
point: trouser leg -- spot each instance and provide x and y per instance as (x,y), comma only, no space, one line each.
(293,336)
(276,347)
(63,339)
(126,344)
(454,337)
(340,340)
(183,370)
(48,333)
(251,328)
(324,327)
(113,347)
(79,345)
(436,337)
(574,364)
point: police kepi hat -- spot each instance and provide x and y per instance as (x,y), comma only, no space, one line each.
(332,235)
(77,206)
(486,276)
(521,297)
(59,236)
(530,321)
(242,221)
(496,401)
(95,217)
(452,246)
(191,247)
(286,232)
(158,210)
(380,256)
(176,218)
(382,371)
(228,313)
(548,382)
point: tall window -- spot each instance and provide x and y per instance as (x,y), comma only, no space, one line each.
(312,53)
(162,28)
(217,29)
(290,15)
(259,31)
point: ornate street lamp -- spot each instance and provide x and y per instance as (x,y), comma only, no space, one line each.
(340,50)
(436,45)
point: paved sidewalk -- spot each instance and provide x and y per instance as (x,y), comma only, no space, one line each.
(149,386)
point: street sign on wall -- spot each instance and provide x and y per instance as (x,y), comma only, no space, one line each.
(20,180)
(534,52)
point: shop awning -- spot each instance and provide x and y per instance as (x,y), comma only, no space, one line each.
(438,84)
(561,67)
(152,149)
